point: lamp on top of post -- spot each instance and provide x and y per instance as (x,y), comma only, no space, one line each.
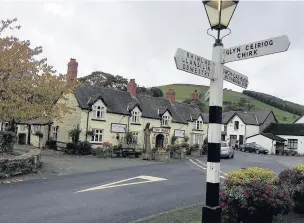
(219,15)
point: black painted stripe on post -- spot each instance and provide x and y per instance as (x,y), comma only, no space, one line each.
(214,152)
(215,114)
(212,195)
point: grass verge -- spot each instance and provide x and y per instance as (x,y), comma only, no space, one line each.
(189,214)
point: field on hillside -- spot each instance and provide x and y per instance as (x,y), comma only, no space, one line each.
(184,91)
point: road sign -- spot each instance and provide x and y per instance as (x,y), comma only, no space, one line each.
(235,77)
(193,64)
(256,49)
(207,95)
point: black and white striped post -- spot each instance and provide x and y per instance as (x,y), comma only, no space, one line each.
(219,14)
(212,210)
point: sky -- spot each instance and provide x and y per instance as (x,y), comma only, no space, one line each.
(138,39)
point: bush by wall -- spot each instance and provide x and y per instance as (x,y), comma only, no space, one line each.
(7,141)
(252,195)
(293,180)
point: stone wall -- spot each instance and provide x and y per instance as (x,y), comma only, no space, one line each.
(22,164)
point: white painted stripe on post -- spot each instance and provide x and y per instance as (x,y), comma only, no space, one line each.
(213,172)
(214,133)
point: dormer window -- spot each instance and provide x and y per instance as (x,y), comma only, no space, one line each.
(199,125)
(165,120)
(98,112)
(135,116)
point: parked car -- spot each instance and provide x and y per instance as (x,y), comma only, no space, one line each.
(253,147)
(226,150)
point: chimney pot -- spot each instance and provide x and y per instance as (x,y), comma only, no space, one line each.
(132,87)
(72,70)
(170,95)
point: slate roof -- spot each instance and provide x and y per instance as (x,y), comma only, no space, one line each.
(285,129)
(249,118)
(273,137)
(188,111)
(121,102)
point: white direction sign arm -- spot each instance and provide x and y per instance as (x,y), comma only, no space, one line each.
(256,49)
(193,64)
(235,77)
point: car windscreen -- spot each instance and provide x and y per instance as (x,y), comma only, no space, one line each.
(224,144)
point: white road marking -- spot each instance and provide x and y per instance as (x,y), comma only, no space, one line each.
(206,165)
(267,157)
(202,166)
(147,179)
(284,163)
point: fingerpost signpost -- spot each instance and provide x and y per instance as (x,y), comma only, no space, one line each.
(219,14)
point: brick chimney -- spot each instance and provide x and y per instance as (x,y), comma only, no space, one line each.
(170,95)
(132,87)
(194,97)
(72,70)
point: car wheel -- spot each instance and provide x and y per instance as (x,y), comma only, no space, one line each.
(257,151)
(243,150)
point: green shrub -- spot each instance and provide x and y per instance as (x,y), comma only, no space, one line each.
(84,148)
(251,174)
(299,168)
(255,201)
(75,134)
(71,148)
(290,178)
(7,141)
(51,144)
(99,152)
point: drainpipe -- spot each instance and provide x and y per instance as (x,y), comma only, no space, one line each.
(87,127)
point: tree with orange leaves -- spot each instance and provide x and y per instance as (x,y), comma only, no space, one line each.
(29,87)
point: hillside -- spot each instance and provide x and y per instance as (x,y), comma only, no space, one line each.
(183,91)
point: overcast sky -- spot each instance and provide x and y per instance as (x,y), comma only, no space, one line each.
(138,39)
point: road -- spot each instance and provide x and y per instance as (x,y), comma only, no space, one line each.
(170,185)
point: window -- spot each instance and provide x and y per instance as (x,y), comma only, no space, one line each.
(5,126)
(36,128)
(199,125)
(292,144)
(22,127)
(225,128)
(55,132)
(165,121)
(97,136)
(135,137)
(98,112)
(135,117)
(236,125)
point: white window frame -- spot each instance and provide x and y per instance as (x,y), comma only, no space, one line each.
(198,125)
(165,120)
(97,136)
(135,117)
(238,125)
(3,126)
(135,136)
(225,128)
(100,109)
(294,142)
(55,132)
(36,128)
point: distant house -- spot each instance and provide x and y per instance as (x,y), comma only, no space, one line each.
(237,126)
(269,141)
(292,133)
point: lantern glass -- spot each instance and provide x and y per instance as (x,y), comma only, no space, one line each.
(220,12)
